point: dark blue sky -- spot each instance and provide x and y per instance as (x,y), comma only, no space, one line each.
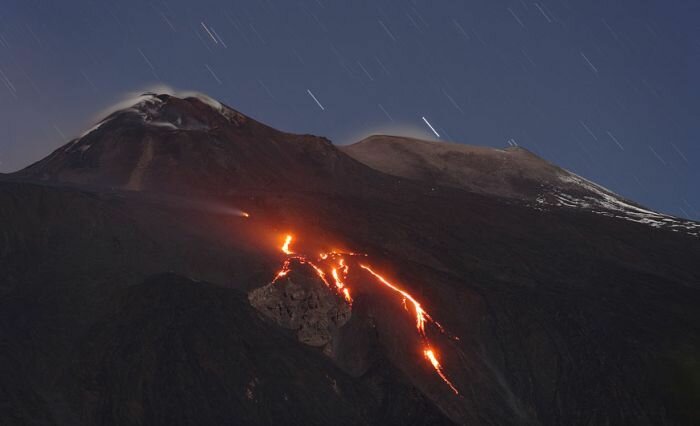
(607,89)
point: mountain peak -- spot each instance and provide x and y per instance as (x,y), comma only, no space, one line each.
(189,142)
(188,111)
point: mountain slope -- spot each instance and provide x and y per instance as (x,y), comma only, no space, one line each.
(513,173)
(171,340)
(180,145)
(537,314)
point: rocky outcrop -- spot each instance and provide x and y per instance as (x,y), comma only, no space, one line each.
(302,302)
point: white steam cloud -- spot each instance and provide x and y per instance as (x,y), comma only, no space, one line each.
(404,130)
(130,99)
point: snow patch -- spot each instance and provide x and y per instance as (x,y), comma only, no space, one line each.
(93,128)
(165,124)
(134,99)
(131,101)
(571,177)
(146,104)
(602,201)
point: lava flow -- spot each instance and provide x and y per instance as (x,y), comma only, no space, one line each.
(287,243)
(336,265)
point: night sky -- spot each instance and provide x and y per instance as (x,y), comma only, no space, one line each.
(607,89)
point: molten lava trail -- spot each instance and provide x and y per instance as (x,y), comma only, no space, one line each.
(430,354)
(287,243)
(336,265)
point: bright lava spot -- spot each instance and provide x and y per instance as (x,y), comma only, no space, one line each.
(430,354)
(338,268)
(421,315)
(287,242)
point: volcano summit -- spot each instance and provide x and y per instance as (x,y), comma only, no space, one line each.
(181,263)
(194,144)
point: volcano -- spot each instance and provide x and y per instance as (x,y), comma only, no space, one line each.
(513,172)
(163,143)
(181,263)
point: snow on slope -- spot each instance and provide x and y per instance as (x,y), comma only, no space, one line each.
(511,173)
(606,203)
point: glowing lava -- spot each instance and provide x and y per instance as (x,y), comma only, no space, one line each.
(339,270)
(287,242)
(430,354)
(421,316)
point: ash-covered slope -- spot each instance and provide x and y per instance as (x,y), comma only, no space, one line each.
(513,172)
(194,144)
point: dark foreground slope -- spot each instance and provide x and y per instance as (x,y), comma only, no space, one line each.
(178,352)
(564,316)
(91,336)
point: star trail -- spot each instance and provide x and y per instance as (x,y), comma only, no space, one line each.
(606,89)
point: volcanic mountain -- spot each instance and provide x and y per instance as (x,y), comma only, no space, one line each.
(163,143)
(182,264)
(513,172)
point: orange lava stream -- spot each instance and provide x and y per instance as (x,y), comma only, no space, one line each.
(340,271)
(287,242)
(430,354)
(341,286)
(421,315)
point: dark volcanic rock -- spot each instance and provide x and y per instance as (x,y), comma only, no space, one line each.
(303,303)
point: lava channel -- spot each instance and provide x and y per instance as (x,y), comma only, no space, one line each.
(335,265)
